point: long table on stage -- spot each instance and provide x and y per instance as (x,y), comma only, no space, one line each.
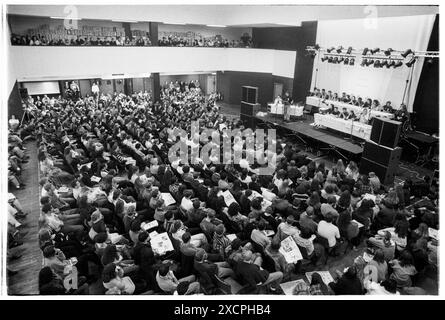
(323,104)
(306,131)
(355,128)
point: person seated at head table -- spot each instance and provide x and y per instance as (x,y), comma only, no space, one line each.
(351,116)
(375,105)
(368,103)
(335,97)
(335,112)
(388,107)
(353,101)
(344,98)
(364,116)
(360,102)
(287,98)
(329,95)
(344,114)
(323,94)
(348,99)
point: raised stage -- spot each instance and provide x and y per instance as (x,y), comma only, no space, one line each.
(323,139)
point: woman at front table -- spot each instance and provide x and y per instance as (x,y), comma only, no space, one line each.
(364,116)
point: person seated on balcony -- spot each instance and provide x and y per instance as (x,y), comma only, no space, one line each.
(388,107)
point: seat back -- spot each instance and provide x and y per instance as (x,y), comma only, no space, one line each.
(224,287)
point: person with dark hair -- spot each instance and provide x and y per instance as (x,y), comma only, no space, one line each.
(116,283)
(348,283)
(385,243)
(51,284)
(403,269)
(318,287)
(258,235)
(168,282)
(379,262)
(329,231)
(144,258)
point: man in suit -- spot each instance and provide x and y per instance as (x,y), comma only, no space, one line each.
(208,270)
(254,275)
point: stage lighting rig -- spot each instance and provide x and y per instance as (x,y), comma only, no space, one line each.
(410,63)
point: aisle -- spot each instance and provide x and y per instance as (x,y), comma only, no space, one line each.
(29,265)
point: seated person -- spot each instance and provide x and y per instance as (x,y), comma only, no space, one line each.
(388,107)
(352,116)
(335,112)
(168,282)
(344,114)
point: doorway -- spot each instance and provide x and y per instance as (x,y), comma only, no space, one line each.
(211,83)
(277,90)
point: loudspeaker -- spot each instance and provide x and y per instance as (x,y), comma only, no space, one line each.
(386,174)
(381,154)
(249,109)
(249,94)
(248,121)
(23,92)
(385,132)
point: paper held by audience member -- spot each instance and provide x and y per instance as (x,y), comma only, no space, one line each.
(254,195)
(433,233)
(290,250)
(95,179)
(268,195)
(63,189)
(161,244)
(168,198)
(360,225)
(231,237)
(325,276)
(149,225)
(288,287)
(228,197)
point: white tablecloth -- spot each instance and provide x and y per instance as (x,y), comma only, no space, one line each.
(359,129)
(296,111)
(318,102)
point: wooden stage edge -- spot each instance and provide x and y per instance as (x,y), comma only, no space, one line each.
(309,133)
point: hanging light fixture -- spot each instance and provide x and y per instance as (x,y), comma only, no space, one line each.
(410,63)
(377,64)
(406,53)
(365,52)
(388,51)
(384,63)
(330,60)
(349,50)
(398,64)
(339,49)
(375,50)
(324,58)
(330,49)
(364,62)
(352,62)
(340,60)
(346,61)
(369,62)
(390,64)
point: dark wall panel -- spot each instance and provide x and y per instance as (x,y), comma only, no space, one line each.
(307,35)
(295,39)
(426,102)
(229,83)
(15,102)
(275,38)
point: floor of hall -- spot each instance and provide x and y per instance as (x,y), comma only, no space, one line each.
(25,282)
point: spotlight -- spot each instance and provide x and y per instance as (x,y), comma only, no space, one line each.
(336,60)
(330,49)
(375,50)
(365,52)
(364,62)
(406,53)
(390,64)
(388,51)
(313,55)
(377,64)
(339,49)
(351,62)
(317,47)
(349,50)
(346,61)
(340,60)
(324,58)
(410,63)
(330,59)
(384,63)
(398,64)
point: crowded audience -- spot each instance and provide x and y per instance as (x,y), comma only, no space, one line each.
(116,212)
(176,41)
(42,40)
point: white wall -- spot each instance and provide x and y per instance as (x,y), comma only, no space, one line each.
(398,33)
(52,63)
